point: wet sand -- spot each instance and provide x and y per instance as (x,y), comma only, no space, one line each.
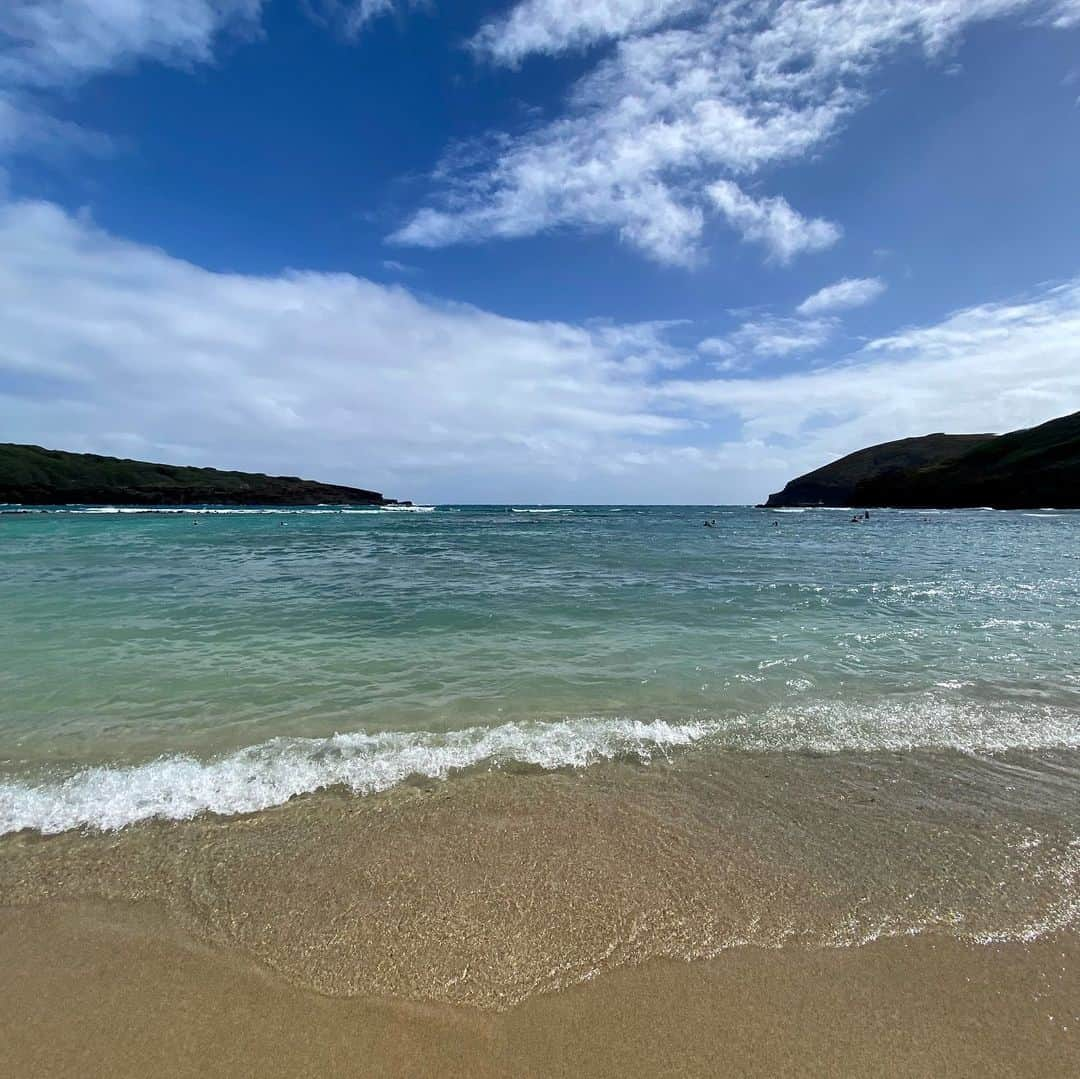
(740,914)
(111,990)
(493,887)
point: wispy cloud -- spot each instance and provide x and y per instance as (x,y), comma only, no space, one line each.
(350,18)
(555,26)
(1065,14)
(766,337)
(814,324)
(110,345)
(716,346)
(987,368)
(772,222)
(49,45)
(393,266)
(27,129)
(692,95)
(781,336)
(845,294)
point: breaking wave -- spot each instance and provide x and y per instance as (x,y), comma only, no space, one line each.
(270,773)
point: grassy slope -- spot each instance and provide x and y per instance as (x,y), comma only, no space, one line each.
(35,476)
(1036,467)
(835,484)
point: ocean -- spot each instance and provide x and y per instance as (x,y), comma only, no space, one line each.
(552,739)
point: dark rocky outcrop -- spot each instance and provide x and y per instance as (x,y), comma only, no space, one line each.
(835,484)
(1036,467)
(33,476)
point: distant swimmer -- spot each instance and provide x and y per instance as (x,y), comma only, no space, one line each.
(776,524)
(710,524)
(856,519)
(866,515)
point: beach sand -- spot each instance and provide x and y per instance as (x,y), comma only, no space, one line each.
(726,914)
(111,990)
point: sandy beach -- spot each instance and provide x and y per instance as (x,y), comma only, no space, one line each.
(539,538)
(93,990)
(451,793)
(720,914)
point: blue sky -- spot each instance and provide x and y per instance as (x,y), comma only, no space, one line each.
(535,251)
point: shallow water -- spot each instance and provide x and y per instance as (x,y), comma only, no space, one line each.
(162,664)
(494,886)
(471,755)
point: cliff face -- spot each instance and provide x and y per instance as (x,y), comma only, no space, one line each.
(836,484)
(1025,469)
(34,476)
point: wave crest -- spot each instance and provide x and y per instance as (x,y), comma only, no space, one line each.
(270,773)
(265,775)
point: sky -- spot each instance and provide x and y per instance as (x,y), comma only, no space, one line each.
(554,251)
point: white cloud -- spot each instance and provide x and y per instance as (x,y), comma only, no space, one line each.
(716,346)
(351,18)
(772,222)
(690,95)
(1065,14)
(781,336)
(393,266)
(993,367)
(54,45)
(25,128)
(844,294)
(722,355)
(58,42)
(554,26)
(48,45)
(111,346)
(766,337)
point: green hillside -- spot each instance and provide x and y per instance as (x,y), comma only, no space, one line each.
(1021,470)
(835,484)
(33,476)
(1032,468)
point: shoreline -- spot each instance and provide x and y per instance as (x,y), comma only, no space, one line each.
(719,913)
(490,889)
(113,989)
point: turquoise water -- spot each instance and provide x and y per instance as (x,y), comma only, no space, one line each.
(160,664)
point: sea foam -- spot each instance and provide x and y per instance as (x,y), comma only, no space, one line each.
(270,773)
